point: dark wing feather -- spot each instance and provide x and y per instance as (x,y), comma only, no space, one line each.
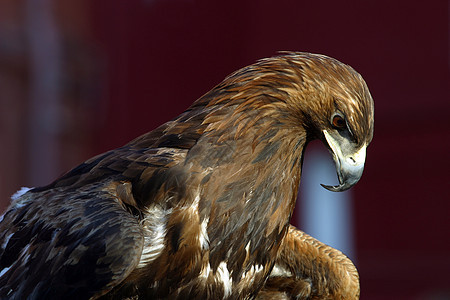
(78,246)
(81,236)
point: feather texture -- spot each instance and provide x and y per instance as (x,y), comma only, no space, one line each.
(198,208)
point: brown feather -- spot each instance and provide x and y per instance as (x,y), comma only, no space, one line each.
(200,206)
(308,269)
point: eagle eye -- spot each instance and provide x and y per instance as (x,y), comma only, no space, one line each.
(338,122)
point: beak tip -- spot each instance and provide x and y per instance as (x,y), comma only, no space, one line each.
(337,188)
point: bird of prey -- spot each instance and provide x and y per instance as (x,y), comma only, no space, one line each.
(199,208)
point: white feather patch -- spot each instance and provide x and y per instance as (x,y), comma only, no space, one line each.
(2,272)
(154,224)
(254,269)
(16,202)
(224,276)
(280,271)
(203,235)
(206,270)
(247,248)
(6,240)
(20,193)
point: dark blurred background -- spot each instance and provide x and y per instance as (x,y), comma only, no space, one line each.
(81,77)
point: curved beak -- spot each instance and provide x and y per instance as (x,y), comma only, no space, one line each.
(349,161)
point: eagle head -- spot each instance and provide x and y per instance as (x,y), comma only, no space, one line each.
(338,109)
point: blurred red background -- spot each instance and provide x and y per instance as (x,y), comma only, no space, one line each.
(124,67)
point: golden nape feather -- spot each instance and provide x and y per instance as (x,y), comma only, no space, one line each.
(199,208)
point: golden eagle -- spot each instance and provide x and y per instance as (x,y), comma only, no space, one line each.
(199,208)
